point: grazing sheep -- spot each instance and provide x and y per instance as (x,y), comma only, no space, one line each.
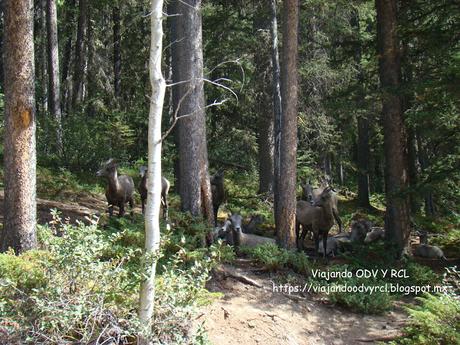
(143,191)
(242,239)
(374,235)
(317,218)
(332,246)
(311,195)
(359,230)
(431,252)
(120,189)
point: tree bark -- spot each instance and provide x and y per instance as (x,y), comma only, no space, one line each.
(263,103)
(69,17)
(116,51)
(42,63)
(19,141)
(54,98)
(187,63)
(285,216)
(395,141)
(277,104)
(423,160)
(152,211)
(363,123)
(1,45)
(80,53)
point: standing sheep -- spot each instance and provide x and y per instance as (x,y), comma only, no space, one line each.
(120,189)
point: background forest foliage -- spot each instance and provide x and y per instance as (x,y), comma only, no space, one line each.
(92,277)
(336,88)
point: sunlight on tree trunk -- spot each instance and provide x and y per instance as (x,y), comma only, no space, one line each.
(152,211)
(20,124)
(286,186)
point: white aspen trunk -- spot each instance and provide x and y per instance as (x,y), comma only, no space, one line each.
(152,211)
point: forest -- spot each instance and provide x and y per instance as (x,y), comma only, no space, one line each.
(229,172)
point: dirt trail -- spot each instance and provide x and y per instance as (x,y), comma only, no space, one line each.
(84,206)
(249,315)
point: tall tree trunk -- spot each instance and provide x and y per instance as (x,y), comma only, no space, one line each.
(20,206)
(286,198)
(53,70)
(80,53)
(116,51)
(152,212)
(69,18)
(195,188)
(363,161)
(363,123)
(411,130)
(90,69)
(340,172)
(42,65)
(423,160)
(277,104)
(264,106)
(174,93)
(2,26)
(395,141)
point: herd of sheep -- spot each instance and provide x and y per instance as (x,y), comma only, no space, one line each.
(315,214)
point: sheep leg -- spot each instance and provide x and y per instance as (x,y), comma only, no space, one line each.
(131,205)
(325,245)
(216,209)
(165,207)
(121,208)
(297,233)
(303,235)
(335,213)
(316,234)
(110,210)
(143,205)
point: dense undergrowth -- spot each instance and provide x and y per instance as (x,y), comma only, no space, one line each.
(82,283)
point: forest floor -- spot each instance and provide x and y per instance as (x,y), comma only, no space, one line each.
(248,314)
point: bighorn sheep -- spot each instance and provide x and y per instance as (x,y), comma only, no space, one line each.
(317,218)
(431,252)
(359,230)
(374,235)
(120,189)
(312,194)
(425,250)
(143,191)
(332,246)
(239,238)
(218,192)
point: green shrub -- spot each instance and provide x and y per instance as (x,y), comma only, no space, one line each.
(376,302)
(75,291)
(26,271)
(269,255)
(436,320)
(419,275)
(275,258)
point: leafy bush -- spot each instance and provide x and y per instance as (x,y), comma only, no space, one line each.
(75,291)
(376,302)
(419,275)
(450,243)
(275,258)
(269,255)
(436,320)
(26,271)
